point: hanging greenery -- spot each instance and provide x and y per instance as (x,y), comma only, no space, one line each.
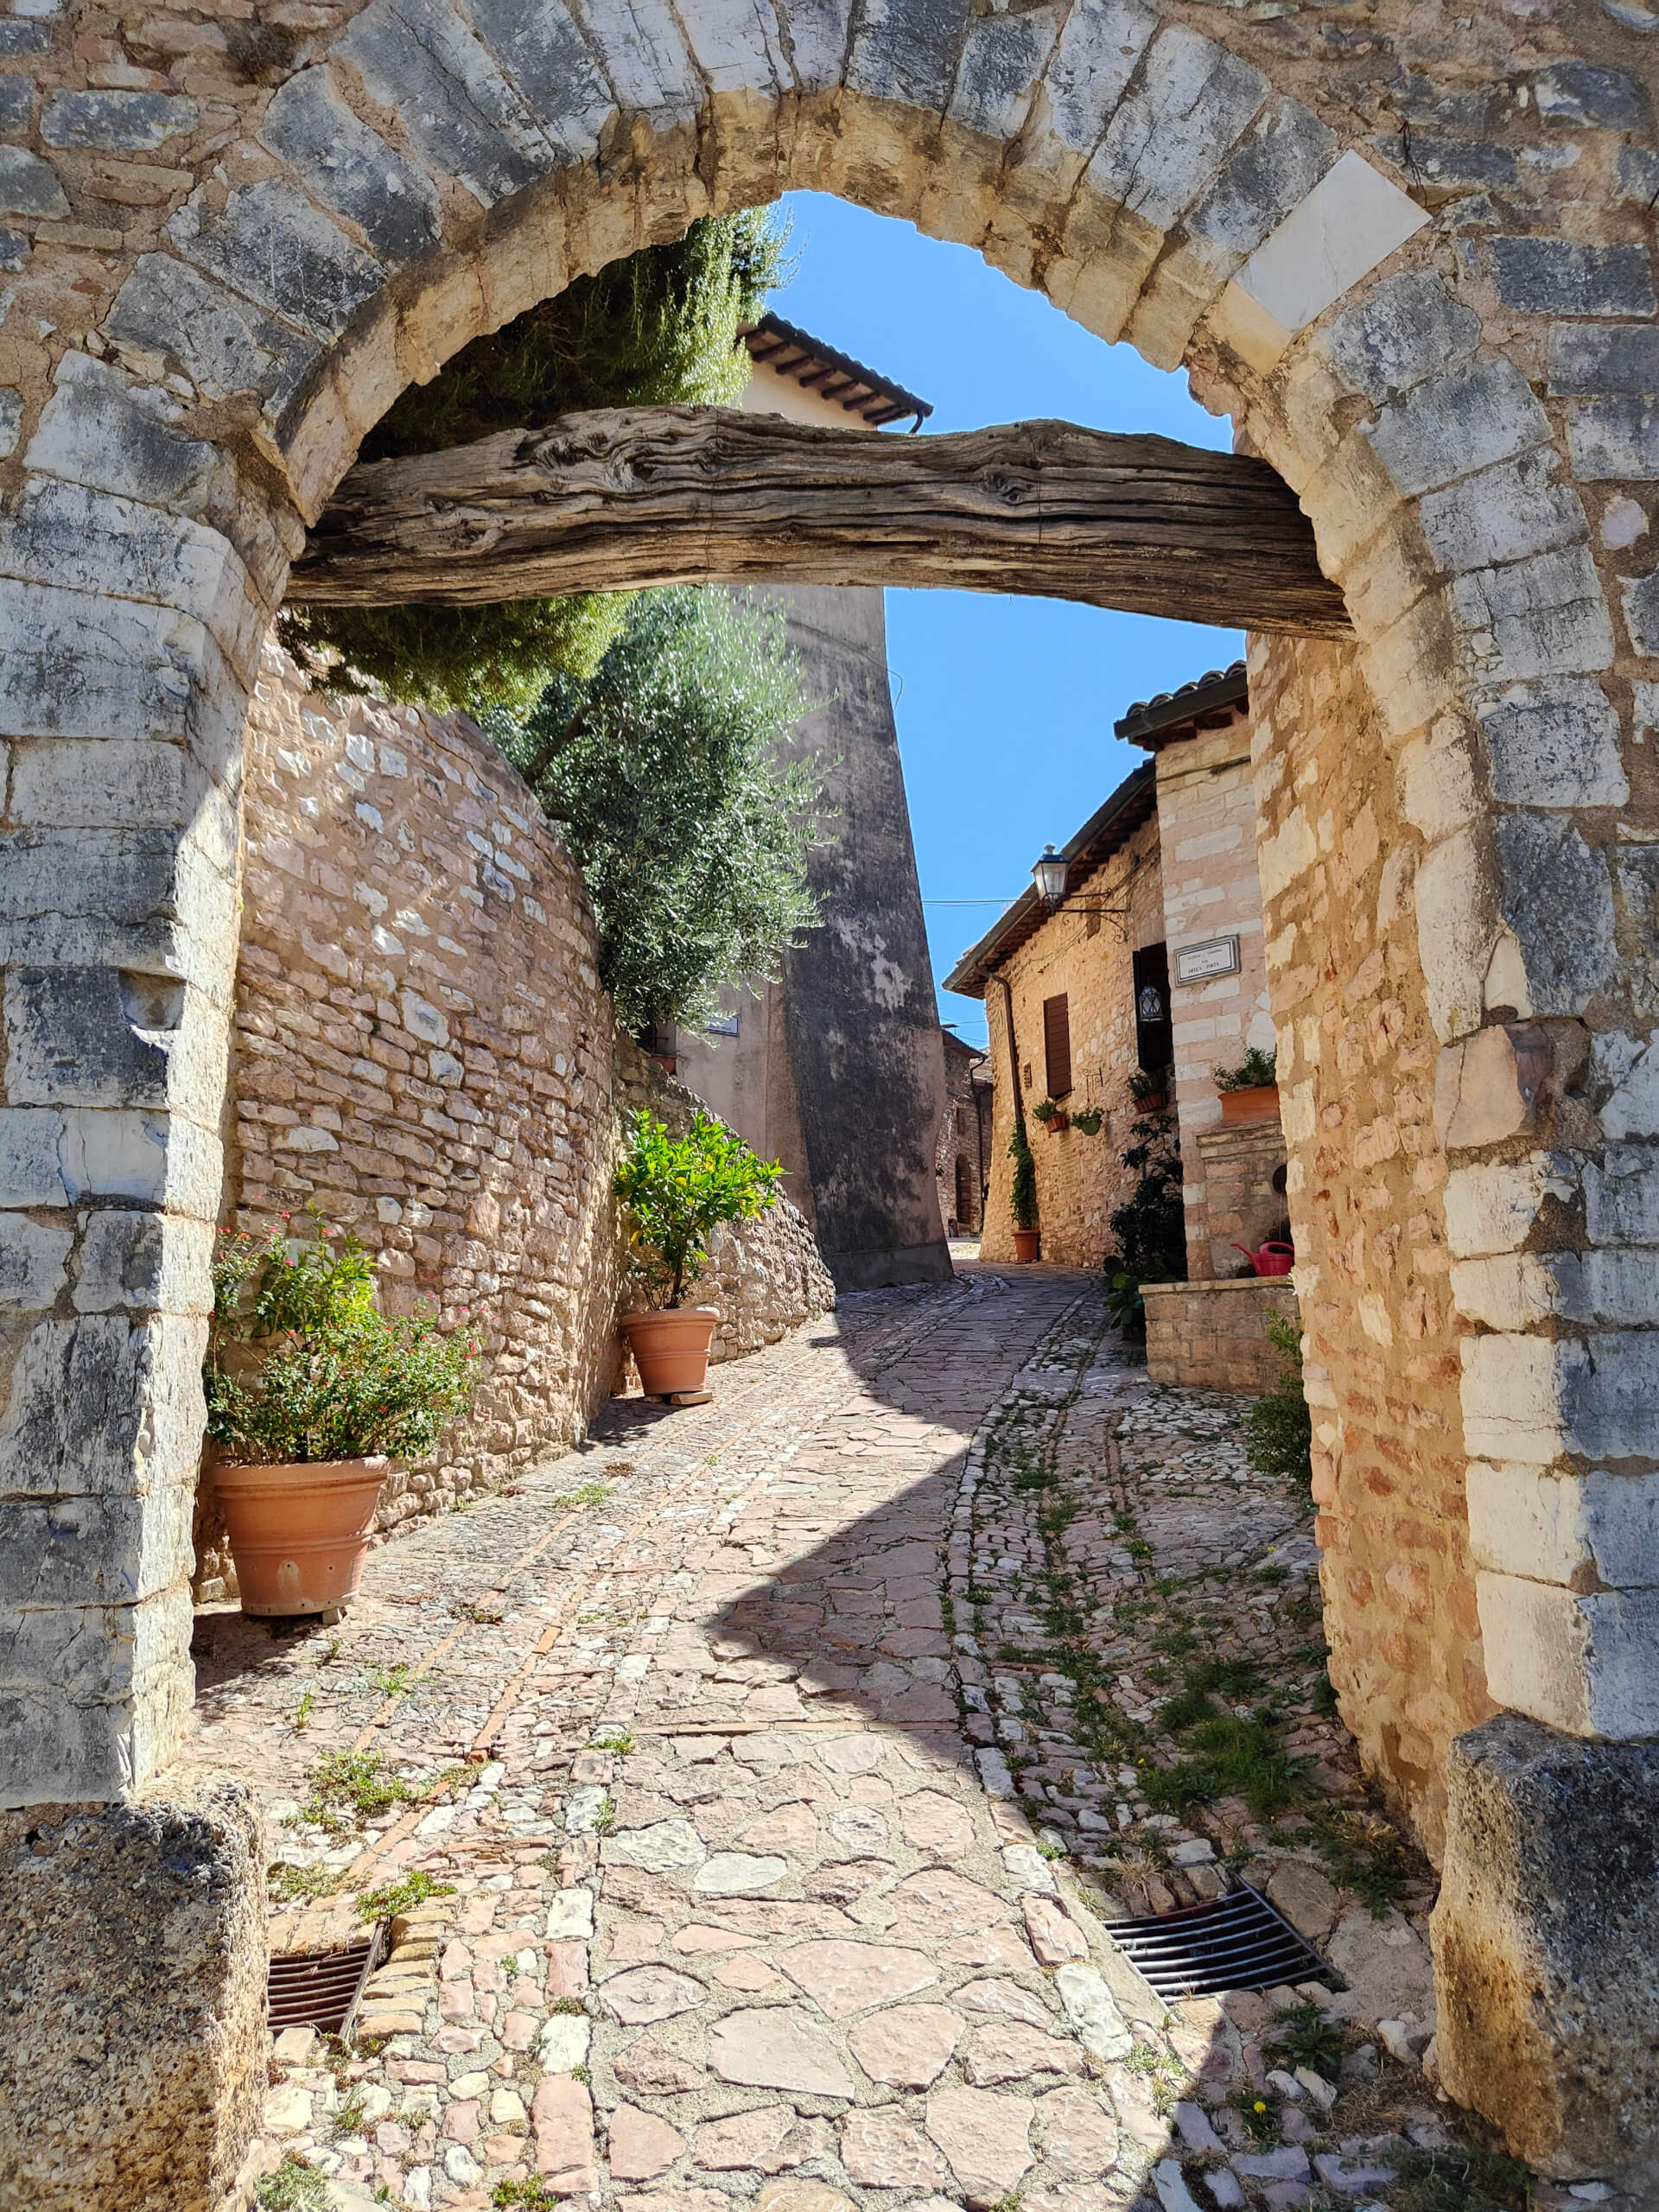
(663,768)
(657,329)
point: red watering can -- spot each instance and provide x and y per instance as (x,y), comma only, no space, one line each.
(1272,1260)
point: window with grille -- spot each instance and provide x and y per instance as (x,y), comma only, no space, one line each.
(1057,1045)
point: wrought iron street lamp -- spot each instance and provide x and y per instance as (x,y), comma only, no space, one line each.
(1049,875)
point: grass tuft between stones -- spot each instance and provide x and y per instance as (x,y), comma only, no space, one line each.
(294,2187)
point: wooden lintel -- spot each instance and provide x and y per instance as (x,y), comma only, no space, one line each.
(635,497)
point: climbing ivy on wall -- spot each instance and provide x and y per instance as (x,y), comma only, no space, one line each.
(658,329)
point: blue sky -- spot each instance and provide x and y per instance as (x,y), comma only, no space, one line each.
(1005,706)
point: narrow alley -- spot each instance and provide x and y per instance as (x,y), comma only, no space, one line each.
(749,1793)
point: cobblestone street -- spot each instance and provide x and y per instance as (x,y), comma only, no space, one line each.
(752,1791)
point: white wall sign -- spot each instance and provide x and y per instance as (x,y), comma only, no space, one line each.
(1196,963)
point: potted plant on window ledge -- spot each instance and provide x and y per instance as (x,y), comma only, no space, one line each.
(1022,1198)
(312,1394)
(676,1191)
(1053,1118)
(1250,1092)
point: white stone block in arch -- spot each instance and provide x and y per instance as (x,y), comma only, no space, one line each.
(1349,224)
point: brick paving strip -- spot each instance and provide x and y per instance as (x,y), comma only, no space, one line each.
(740,1902)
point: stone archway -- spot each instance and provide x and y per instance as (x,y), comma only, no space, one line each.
(1426,298)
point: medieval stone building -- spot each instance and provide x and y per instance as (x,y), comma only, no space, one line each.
(1409,252)
(1059,987)
(835,1071)
(962,1161)
(1127,993)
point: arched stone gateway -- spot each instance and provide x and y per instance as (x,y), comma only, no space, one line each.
(1410,252)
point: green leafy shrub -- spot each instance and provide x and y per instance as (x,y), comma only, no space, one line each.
(312,1370)
(657,328)
(677,1190)
(1150,1226)
(1022,1193)
(1256,1069)
(1278,1429)
(665,769)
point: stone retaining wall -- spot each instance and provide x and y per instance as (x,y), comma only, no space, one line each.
(1213,1336)
(1240,1207)
(422,1054)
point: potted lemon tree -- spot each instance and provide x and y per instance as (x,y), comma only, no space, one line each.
(675,1192)
(313,1394)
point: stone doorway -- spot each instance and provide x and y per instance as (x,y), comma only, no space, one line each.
(1429,308)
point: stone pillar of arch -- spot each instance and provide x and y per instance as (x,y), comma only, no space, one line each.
(1414,263)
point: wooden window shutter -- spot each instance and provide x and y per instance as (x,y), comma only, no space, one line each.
(1057,1045)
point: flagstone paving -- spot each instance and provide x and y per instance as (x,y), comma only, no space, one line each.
(776,1769)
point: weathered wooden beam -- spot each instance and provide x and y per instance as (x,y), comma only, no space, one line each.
(631,497)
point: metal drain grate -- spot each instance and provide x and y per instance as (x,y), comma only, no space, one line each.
(1233,1942)
(320,1989)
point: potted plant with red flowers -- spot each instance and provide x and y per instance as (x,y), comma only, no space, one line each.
(312,1394)
(675,1192)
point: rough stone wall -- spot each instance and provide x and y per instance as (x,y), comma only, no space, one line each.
(1366,1188)
(1206,823)
(423,1055)
(1237,1166)
(1080,1179)
(959,1140)
(1213,1336)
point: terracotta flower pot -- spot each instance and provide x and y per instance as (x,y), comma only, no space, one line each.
(670,1348)
(1154,1101)
(1027,1246)
(1258,1104)
(299,1535)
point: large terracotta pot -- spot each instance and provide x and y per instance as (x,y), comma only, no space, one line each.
(299,1535)
(1258,1104)
(1027,1246)
(670,1348)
